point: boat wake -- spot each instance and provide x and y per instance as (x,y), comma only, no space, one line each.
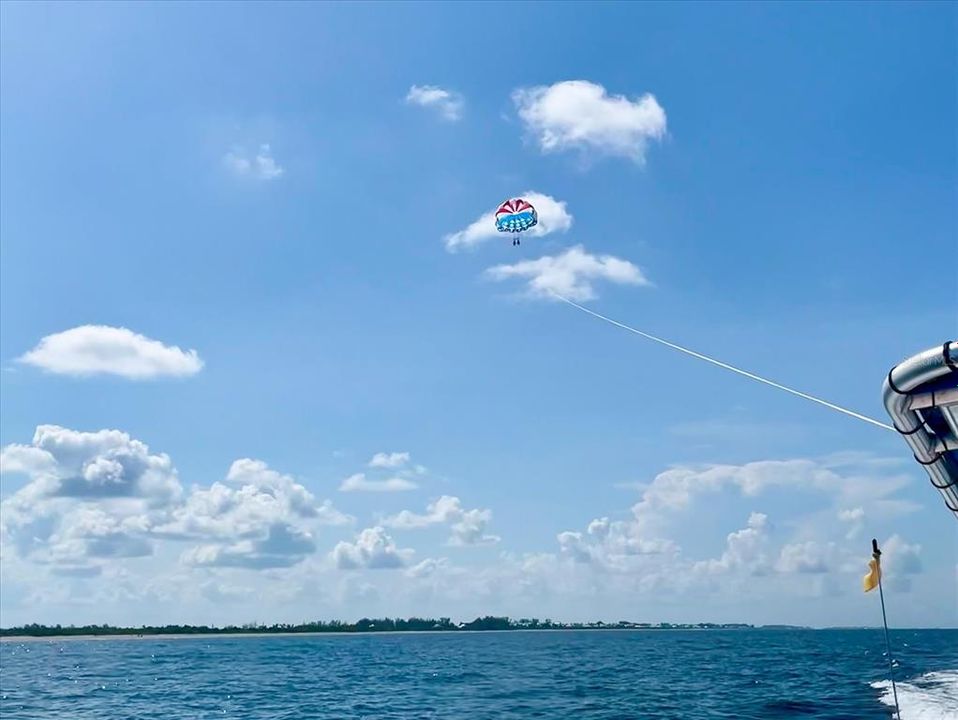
(932,696)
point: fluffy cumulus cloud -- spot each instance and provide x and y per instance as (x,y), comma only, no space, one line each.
(373,548)
(429,568)
(745,549)
(863,483)
(104,350)
(470,529)
(96,496)
(282,545)
(389,460)
(256,518)
(107,464)
(447,103)
(467,527)
(553,217)
(810,556)
(855,520)
(89,534)
(259,165)
(360,483)
(581,115)
(572,274)
(900,560)
(613,545)
(851,515)
(90,495)
(398,464)
(104,521)
(809,548)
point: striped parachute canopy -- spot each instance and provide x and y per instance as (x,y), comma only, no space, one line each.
(516,215)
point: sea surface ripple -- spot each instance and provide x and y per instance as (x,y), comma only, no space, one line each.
(743,674)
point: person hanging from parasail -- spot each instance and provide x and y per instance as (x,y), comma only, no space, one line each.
(516,216)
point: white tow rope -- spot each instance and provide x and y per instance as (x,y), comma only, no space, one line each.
(726,366)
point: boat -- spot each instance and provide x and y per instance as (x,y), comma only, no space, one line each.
(921,397)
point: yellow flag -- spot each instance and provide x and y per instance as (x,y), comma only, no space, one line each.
(870,581)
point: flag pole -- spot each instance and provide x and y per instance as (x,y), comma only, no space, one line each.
(876,553)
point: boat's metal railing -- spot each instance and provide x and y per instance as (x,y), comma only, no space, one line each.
(921,397)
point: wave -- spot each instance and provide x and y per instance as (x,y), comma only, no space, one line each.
(932,696)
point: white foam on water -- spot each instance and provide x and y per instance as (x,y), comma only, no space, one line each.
(932,696)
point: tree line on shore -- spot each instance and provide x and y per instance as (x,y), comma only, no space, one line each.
(365,625)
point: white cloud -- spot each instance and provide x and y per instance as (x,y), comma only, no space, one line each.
(640,549)
(100,349)
(580,115)
(613,545)
(899,560)
(398,462)
(257,474)
(859,485)
(851,515)
(448,103)
(26,459)
(552,213)
(810,556)
(855,519)
(253,502)
(281,546)
(389,460)
(373,549)
(572,274)
(103,495)
(259,166)
(88,534)
(468,527)
(360,483)
(90,495)
(745,549)
(444,510)
(257,518)
(107,464)
(428,568)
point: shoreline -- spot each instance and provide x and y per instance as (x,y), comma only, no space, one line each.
(187,636)
(207,636)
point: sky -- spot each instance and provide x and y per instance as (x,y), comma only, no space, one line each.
(266,359)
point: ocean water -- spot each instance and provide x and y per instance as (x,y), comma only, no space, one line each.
(761,674)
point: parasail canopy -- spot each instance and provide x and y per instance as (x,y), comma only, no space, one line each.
(516,215)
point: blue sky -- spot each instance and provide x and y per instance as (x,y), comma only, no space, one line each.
(262,184)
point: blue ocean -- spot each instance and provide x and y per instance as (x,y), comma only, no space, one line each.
(761,674)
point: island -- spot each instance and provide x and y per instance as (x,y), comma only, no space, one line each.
(364,625)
